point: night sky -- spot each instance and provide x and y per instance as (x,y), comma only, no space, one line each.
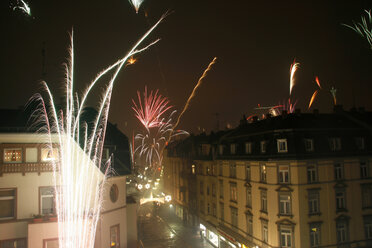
(255,43)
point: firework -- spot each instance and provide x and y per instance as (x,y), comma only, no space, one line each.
(292,71)
(23,6)
(136,4)
(318,82)
(149,111)
(333,91)
(363,28)
(313,98)
(194,90)
(77,178)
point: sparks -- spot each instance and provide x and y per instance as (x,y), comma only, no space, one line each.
(24,7)
(78,178)
(136,4)
(294,66)
(317,82)
(150,110)
(363,28)
(131,61)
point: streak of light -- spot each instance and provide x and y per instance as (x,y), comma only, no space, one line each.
(318,82)
(24,7)
(313,98)
(294,66)
(194,90)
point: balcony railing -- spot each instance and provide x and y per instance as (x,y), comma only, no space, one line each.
(25,168)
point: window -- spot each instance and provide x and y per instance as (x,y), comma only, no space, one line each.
(249,220)
(205,149)
(213,189)
(214,169)
(115,236)
(201,188)
(367,220)
(263,173)
(340,199)
(234,217)
(342,231)
(13,243)
(282,145)
(13,155)
(232,170)
(263,146)
(339,171)
(201,206)
(283,174)
(207,189)
(248,147)
(193,169)
(220,149)
(311,174)
(366,195)
(49,155)
(313,202)
(31,155)
(264,200)
(247,172)
(232,148)
(220,170)
(359,141)
(221,188)
(335,144)
(47,200)
(233,192)
(285,237)
(114,193)
(222,211)
(284,203)
(208,208)
(309,145)
(315,234)
(265,231)
(50,243)
(214,209)
(249,197)
(7,204)
(364,173)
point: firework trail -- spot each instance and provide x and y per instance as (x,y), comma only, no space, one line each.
(333,91)
(23,6)
(154,106)
(292,71)
(136,4)
(194,90)
(77,176)
(363,28)
(312,99)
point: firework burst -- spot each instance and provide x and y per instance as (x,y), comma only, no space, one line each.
(363,28)
(294,67)
(77,177)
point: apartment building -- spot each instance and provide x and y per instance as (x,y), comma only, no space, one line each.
(295,180)
(27,195)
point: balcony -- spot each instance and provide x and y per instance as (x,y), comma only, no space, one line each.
(25,168)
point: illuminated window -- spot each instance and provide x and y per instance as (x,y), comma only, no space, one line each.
(284,203)
(263,173)
(193,169)
(114,237)
(49,155)
(7,204)
(263,146)
(232,148)
(13,155)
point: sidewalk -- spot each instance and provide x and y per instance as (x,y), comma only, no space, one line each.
(189,235)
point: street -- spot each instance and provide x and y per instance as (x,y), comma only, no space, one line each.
(162,228)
